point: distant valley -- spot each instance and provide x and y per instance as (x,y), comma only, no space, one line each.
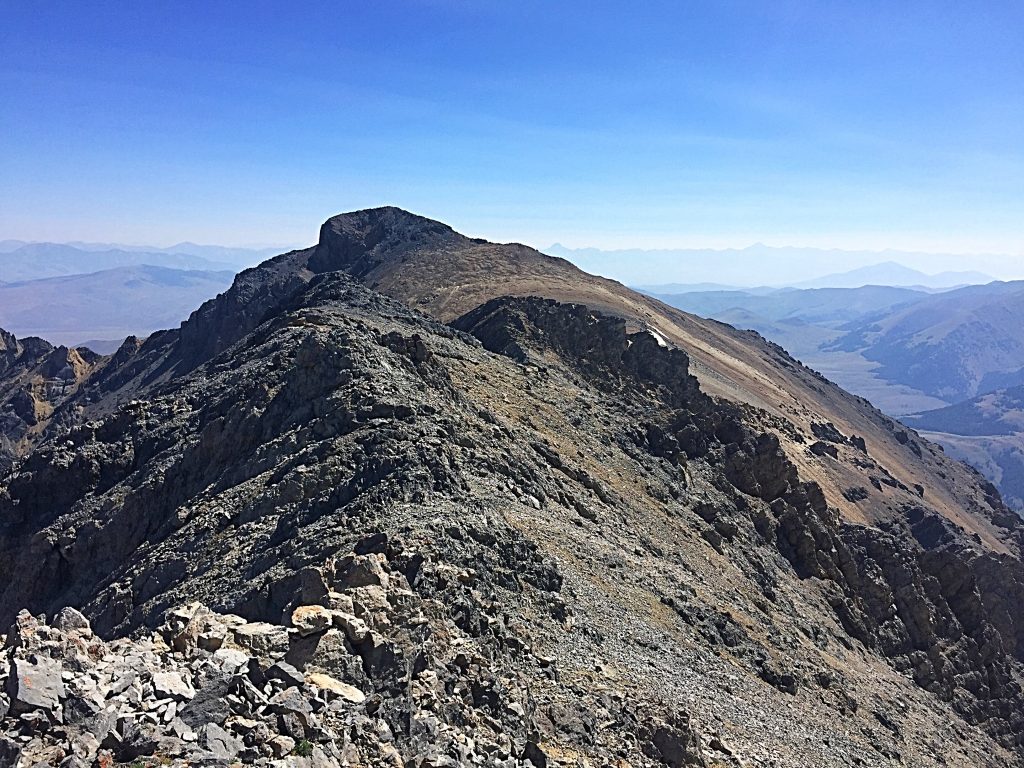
(950,363)
(96,294)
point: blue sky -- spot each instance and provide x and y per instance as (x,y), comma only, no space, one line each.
(684,124)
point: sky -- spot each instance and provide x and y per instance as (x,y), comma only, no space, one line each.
(856,125)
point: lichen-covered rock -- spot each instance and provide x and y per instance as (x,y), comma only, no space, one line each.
(311,619)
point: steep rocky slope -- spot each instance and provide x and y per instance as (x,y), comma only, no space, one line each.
(539,535)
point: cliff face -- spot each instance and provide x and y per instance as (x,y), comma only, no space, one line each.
(559,544)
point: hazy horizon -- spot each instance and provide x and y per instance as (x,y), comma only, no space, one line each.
(749,266)
(712,244)
(741,267)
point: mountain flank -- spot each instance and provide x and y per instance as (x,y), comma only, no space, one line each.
(410,498)
(952,345)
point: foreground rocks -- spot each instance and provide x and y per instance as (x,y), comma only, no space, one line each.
(196,693)
(342,690)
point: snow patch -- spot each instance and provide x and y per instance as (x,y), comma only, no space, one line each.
(658,338)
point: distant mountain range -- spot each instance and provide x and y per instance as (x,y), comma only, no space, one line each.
(44,260)
(953,359)
(719,269)
(890,273)
(20,260)
(108,305)
(822,305)
(98,293)
(217,255)
(807,321)
(952,345)
(947,346)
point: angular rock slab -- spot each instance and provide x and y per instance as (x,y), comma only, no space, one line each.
(35,684)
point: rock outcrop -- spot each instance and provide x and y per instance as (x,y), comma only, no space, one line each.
(314,526)
(36,379)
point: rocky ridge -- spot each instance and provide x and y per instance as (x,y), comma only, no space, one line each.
(540,516)
(427,265)
(36,378)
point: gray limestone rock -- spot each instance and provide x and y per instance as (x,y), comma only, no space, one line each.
(218,742)
(35,684)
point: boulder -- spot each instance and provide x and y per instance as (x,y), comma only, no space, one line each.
(35,684)
(364,570)
(281,746)
(286,673)
(262,639)
(171,685)
(209,705)
(220,744)
(336,687)
(311,619)
(70,620)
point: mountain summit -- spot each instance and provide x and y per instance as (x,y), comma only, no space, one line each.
(412,498)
